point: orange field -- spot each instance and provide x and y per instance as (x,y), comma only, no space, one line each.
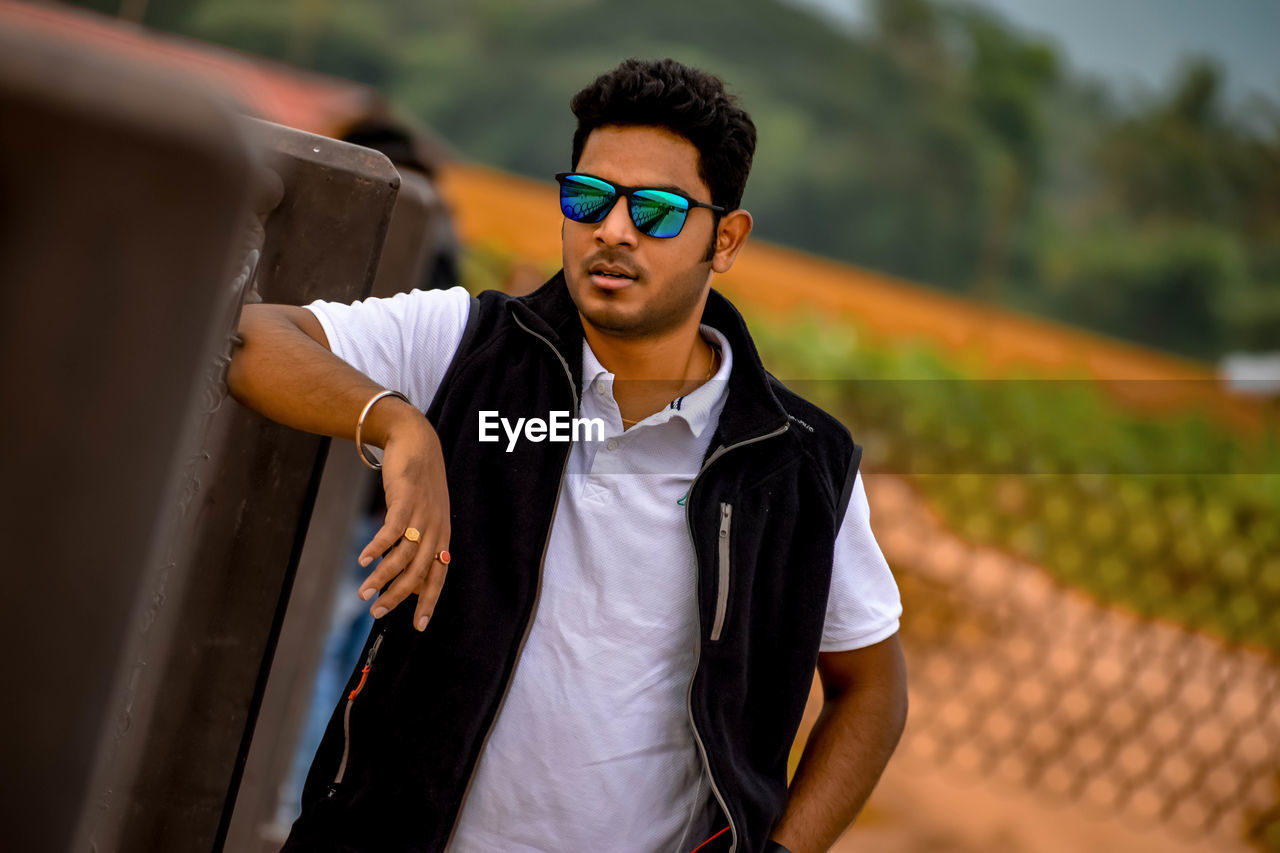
(520,216)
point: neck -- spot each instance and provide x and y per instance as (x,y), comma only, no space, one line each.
(675,356)
(652,371)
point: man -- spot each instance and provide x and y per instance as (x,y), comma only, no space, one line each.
(621,656)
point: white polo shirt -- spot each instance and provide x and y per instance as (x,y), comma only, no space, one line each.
(593,748)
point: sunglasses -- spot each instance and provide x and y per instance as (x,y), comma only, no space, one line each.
(655,213)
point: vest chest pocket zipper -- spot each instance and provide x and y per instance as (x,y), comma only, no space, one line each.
(722,576)
(346,715)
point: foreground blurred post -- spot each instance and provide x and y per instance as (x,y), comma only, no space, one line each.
(256,482)
(123,211)
(155,523)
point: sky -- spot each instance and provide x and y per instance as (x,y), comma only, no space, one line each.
(1138,44)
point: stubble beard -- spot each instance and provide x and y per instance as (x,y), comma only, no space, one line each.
(611,315)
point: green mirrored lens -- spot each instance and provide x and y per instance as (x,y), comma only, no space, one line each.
(657,213)
(585,199)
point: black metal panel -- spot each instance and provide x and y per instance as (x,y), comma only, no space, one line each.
(121,206)
(419,226)
(255,483)
(345,488)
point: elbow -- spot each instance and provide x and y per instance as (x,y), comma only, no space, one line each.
(256,322)
(252,318)
(245,331)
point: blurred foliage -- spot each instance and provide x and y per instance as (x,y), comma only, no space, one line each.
(936,143)
(1173,517)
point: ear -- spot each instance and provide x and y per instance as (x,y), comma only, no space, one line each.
(735,227)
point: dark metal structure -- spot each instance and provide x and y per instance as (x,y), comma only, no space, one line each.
(346,487)
(156,523)
(122,204)
(253,485)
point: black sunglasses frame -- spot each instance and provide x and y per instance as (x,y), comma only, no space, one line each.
(619,191)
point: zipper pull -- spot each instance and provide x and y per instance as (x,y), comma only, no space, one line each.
(364,673)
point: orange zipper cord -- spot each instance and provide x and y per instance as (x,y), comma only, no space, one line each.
(364,673)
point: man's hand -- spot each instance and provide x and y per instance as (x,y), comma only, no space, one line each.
(284,370)
(413,476)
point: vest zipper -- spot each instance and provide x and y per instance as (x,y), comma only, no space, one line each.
(697,657)
(346,715)
(722,585)
(537,595)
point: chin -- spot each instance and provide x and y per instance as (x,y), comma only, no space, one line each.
(614,319)
(603,309)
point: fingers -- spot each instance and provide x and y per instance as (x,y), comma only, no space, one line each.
(393,563)
(429,594)
(412,569)
(408,581)
(389,535)
(416,487)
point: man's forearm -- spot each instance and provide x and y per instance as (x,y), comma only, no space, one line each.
(284,370)
(842,761)
(285,374)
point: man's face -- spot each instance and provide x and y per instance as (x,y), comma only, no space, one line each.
(664,281)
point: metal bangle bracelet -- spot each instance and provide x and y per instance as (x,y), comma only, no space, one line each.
(377,466)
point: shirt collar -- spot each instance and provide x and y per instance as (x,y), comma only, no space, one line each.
(751,408)
(698,408)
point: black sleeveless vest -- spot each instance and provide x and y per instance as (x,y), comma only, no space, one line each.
(399,753)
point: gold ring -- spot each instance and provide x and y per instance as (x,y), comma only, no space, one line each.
(412,534)
(443,557)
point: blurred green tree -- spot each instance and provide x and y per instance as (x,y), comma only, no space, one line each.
(937,142)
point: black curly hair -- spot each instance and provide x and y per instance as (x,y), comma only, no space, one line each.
(691,103)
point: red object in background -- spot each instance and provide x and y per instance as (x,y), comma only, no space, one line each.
(270,90)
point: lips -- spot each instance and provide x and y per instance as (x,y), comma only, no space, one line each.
(611,276)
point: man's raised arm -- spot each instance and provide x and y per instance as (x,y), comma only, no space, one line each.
(285,371)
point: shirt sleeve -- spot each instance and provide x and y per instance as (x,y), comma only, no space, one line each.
(405,342)
(863,606)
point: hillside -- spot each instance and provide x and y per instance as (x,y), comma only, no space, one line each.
(935,143)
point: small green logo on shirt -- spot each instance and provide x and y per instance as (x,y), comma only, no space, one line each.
(683,499)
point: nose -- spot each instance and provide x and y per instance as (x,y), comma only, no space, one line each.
(617,229)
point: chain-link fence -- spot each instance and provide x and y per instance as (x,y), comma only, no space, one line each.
(1019,677)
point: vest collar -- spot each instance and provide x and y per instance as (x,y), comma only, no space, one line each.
(752,409)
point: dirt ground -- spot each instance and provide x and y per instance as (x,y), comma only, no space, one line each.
(918,808)
(921,806)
